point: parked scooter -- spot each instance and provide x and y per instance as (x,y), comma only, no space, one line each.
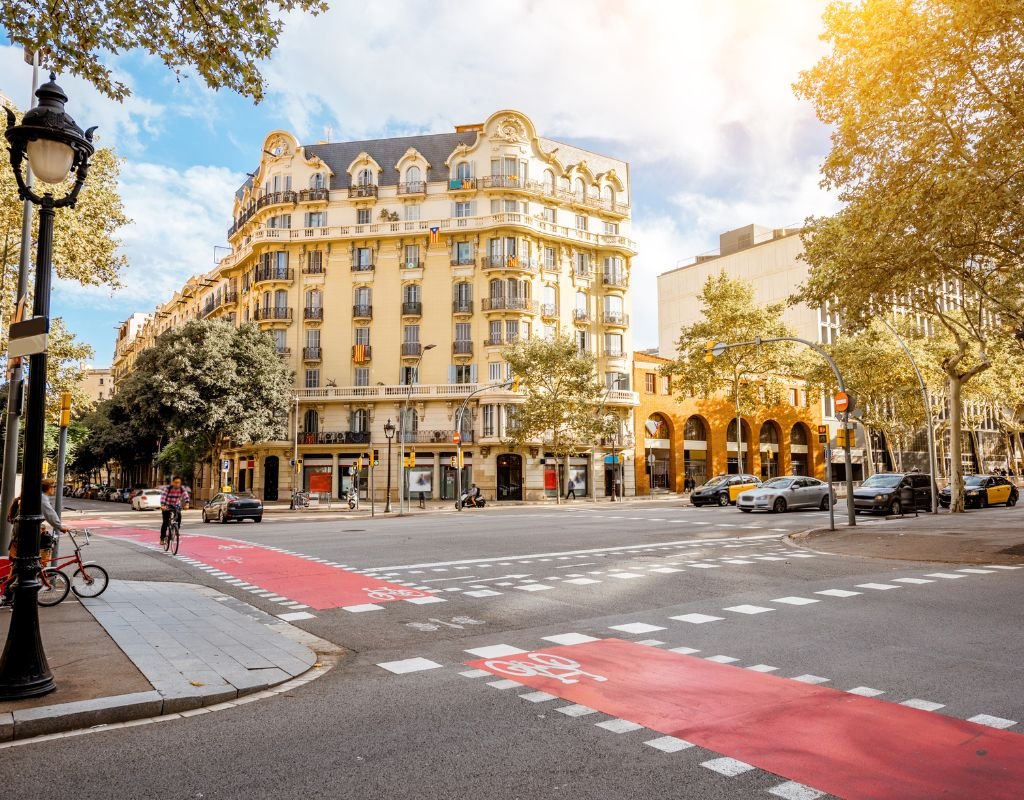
(352,497)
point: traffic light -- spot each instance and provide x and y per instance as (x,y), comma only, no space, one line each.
(841,435)
(823,434)
(454,461)
(462,459)
(515,383)
(65,409)
(709,356)
(359,464)
(376,458)
(412,458)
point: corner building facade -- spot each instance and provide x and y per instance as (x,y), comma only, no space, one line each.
(356,257)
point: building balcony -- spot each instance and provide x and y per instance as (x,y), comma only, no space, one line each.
(462,348)
(612,353)
(412,187)
(362,353)
(314,195)
(435,437)
(549,310)
(615,318)
(333,437)
(523,304)
(313,269)
(615,281)
(411,349)
(621,397)
(582,272)
(412,308)
(284,352)
(312,354)
(506,182)
(581,315)
(508,263)
(462,306)
(362,312)
(313,313)
(464,261)
(275,198)
(362,267)
(368,190)
(272,274)
(390,392)
(462,185)
(493,341)
(412,264)
(272,314)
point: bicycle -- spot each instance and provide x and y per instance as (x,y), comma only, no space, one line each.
(173,537)
(300,500)
(547,665)
(90,579)
(54,584)
(391,594)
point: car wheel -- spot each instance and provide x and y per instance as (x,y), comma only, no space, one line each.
(223,518)
(824,503)
(896,509)
(779,505)
(206,519)
(723,500)
(258,519)
(1011,501)
(982,501)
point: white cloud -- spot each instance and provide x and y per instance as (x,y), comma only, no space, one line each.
(178,218)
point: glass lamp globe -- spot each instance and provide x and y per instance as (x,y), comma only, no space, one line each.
(50,161)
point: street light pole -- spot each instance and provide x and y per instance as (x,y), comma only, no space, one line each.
(55,147)
(739,432)
(403,489)
(389,434)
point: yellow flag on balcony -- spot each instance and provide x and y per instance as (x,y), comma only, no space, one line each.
(359,354)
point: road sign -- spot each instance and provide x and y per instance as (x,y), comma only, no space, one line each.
(828,453)
(456,438)
(843,402)
(650,461)
(225,465)
(719,349)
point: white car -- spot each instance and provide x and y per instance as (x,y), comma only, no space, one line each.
(146,500)
(782,494)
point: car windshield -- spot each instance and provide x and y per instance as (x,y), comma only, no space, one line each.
(882,481)
(778,483)
(716,480)
(974,480)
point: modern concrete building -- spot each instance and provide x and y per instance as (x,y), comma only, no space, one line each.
(393,271)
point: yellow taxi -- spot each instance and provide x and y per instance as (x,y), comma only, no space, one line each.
(983,490)
(722,490)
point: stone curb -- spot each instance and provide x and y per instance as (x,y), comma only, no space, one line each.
(107,713)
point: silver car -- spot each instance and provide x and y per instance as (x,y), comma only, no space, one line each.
(781,494)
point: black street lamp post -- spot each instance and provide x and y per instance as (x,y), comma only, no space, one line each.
(389,434)
(55,148)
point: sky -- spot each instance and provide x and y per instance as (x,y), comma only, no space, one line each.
(695,94)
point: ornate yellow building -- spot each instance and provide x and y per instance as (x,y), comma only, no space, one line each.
(395,270)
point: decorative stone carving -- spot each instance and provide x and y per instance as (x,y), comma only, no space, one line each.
(511,130)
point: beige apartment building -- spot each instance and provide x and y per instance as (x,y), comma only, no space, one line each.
(393,271)
(97,383)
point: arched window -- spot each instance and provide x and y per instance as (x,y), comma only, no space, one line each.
(413,175)
(730,434)
(608,195)
(463,171)
(497,288)
(579,188)
(798,435)
(411,293)
(769,433)
(316,181)
(311,421)
(360,420)
(266,299)
(365,177)
(549,181)
(695,431)
(658,424)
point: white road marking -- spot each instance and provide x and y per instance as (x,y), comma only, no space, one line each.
(811,679)
(865,691)
(762,668)
(949,575)
(570,638)
(483,593)
(475,673)
(420,601)
(697,619)
(636,627)
(837,593)
(534,587)
(665,570)
(722,659)
(538,697)
(914,581)
(729,767)
(575,710)
(748,609)
(686,651)
(668,744)
(795,601)
(362,607)
(294,616)
(735,561)
(619,725)
(881,587)
(495,651)
(976,571)
(791,790)
(992,722)
(409,665)
(505,684)
(923,705)
(625,575)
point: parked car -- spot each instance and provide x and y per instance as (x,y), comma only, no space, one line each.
(146,500)
(722,489)
(122,495)
(228,506)
(783,493)
(882,493)
(983,490)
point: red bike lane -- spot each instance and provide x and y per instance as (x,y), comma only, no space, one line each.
(309,582)
(851,746)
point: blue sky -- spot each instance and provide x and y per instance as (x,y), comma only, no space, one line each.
(695,94)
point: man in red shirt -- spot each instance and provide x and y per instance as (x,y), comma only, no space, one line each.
(173,498)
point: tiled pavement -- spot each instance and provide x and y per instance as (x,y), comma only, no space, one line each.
(195,645)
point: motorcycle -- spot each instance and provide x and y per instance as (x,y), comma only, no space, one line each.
(352,497)
(469,501)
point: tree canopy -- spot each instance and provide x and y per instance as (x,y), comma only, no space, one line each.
(926,104)
(223,41)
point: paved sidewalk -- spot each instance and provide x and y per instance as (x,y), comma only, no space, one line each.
(988,536)
(152,648)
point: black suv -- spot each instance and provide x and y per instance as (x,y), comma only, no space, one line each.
(882,493)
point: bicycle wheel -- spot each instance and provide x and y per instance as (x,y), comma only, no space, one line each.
(89,580)
(54,587)
(171,527)
(175,541)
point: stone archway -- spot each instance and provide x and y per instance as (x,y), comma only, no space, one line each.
(696,451)
(769,450)
(659,466)
(800,454)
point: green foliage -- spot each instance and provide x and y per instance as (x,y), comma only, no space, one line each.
(729,314)
(926,103)
(223,41)
(562,396)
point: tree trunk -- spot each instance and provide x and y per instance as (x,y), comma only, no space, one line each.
(956,471)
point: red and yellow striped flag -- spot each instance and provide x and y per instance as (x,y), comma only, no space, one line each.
(435,235)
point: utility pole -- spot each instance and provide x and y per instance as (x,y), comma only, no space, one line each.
(16,373)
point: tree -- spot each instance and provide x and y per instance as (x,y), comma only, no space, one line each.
(223,41)
(729,314)
(209,383)
(926,104)
(563,400)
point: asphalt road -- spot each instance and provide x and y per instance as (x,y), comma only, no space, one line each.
(702,589)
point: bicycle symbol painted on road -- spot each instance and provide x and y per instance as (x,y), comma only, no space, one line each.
(391,594)
(546,665)
(436,624)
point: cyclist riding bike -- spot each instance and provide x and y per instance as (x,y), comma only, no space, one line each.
(173,498)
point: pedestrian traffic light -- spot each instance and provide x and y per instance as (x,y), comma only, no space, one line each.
(515,383)
(709,356)
(823,434)
(376,458)
(454,460)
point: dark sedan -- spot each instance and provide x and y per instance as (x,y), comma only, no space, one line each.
(236,506)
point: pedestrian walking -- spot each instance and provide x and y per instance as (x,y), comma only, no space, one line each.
(571,490)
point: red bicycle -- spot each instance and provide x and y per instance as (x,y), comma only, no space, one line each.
(89,579)
(53,584)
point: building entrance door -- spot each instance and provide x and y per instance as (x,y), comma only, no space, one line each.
(510,477)
(270,466)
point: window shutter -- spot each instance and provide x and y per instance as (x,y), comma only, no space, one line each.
(454,210)
(472,373)
(472,208)
(451,374)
